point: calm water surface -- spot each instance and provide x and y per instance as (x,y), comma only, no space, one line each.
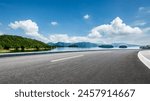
(78,49)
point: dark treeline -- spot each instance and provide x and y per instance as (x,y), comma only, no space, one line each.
(21,43)
(145,47)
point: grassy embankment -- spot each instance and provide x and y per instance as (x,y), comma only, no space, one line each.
(11,43)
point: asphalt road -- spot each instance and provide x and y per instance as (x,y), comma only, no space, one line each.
(99,67)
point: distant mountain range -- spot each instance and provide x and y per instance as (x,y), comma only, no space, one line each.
(60,44)
(78,44)
(88,44)
(84,44)
(128,45)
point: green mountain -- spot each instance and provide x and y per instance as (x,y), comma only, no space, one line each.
(22,43)
(77,44)
(106,46)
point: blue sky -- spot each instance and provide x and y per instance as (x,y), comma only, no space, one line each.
(100,21)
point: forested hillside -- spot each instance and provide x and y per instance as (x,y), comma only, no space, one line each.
(12,42)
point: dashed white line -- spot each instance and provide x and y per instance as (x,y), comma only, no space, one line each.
(66,58)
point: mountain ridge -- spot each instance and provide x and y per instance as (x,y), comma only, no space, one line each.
(89,44)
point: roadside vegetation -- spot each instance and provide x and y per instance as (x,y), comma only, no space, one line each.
(145,47)
(11,43)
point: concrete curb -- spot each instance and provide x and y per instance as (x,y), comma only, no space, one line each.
(142,58)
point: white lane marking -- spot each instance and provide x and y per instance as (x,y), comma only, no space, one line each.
(66,58)
(144,60)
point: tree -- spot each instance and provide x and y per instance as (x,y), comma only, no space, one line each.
(22,48)
(37,48)
(1,47)
(16,42)
(16,48)
(7,47)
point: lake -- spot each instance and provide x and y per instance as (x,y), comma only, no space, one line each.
(93,48)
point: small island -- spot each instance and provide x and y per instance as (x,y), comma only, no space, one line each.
(145,47)
(123,46)
(106,46)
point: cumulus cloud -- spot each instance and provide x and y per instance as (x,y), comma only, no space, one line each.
(54,23)
(86,16)
(30,28)
(115,30)
(67,38)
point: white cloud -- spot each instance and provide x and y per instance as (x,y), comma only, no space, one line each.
(139,23)
(30,28)
(146,30)
(144,9)
(54,23)
(115,30)
(141,8)
(1,33)
(67,38)
(86,16)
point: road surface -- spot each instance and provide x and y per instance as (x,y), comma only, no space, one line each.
(100,67)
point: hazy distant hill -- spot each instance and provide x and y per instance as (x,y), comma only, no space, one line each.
(89,44)
(85,44)
(128,45)
(60,44)
(78,44)
(51,44)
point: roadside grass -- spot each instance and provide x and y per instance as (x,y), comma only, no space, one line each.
(4,51)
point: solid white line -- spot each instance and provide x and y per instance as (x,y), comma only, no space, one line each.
(145,60)
(61,59)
